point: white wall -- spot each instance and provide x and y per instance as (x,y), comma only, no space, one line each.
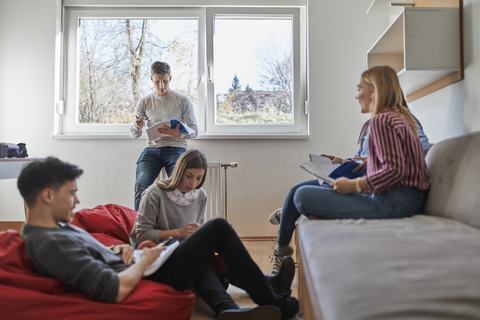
(340,35)
(455,110)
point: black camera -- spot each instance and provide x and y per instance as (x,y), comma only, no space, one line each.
(12,150)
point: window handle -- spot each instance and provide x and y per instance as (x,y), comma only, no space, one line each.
(210,77)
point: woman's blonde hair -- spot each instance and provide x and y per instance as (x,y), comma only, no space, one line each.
(388,93)
(191,159)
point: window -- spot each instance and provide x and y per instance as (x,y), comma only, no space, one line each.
(242,68)
(255,71)
(116,54)
(109,57)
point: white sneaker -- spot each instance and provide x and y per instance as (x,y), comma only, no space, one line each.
(278,254)
(275,216)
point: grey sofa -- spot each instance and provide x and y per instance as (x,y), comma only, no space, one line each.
(423,267)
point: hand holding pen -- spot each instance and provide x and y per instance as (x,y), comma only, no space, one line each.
(140,122)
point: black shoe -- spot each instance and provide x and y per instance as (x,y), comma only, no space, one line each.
(282,281)
(258,313)
(289,307)
(224,280)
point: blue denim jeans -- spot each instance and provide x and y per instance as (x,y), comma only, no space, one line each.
(149,164)
(308,198)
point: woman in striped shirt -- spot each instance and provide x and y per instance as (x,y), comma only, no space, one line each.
(397,177)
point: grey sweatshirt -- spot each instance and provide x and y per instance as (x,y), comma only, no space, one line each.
(158,109)
(158,212)
(76,258)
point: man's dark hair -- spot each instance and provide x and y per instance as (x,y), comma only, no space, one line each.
(159,67)
(49,173)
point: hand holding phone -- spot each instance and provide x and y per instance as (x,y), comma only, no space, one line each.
(165,242)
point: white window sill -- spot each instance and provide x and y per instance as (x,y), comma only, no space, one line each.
(201,136)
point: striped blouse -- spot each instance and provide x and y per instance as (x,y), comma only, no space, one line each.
(396,156)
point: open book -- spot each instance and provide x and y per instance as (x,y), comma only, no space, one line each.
(326,171)
(153,133)
(164,255)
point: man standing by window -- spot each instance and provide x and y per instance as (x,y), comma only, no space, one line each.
(162,105)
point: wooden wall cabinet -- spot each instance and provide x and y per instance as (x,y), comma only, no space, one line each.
(424,46)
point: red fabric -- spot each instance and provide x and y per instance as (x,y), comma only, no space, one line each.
(16,269)
(219,266)
(111,219)
(25,295)
(149,300)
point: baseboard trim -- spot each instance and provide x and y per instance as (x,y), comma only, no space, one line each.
(259,238)
(15,225)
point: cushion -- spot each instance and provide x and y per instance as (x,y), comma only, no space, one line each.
(25,295)
(111,219)
(421,267)
(455,176)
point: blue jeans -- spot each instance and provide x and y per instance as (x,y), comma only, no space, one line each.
(149,164)
(308,198)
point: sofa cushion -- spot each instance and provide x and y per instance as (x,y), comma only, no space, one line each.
(415,268)
(455,177)
(111,219)
(25,295)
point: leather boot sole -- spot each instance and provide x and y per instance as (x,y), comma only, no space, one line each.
(258,313)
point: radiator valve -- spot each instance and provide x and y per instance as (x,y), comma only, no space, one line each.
(231,165)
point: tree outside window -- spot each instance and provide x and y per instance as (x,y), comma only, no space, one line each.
(115,59)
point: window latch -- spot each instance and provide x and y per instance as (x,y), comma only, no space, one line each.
(210,78)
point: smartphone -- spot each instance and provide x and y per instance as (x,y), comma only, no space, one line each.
(165,242)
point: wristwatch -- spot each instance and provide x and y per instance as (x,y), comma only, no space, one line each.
(359,189)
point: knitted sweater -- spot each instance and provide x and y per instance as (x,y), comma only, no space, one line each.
(158,109)
(158,212)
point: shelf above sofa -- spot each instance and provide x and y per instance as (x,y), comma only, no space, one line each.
(389,7)
(423,44)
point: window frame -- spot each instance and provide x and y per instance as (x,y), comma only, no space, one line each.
(67,71)
(72,67)
(299,78)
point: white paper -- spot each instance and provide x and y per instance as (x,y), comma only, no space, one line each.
(188,129)
(316,171)
(324,163)
(164,255)
(153,133)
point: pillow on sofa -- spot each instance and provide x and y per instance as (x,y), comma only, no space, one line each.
(111,220)
(454,175)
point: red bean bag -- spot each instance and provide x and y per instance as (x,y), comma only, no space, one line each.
(25,295)
(109,224)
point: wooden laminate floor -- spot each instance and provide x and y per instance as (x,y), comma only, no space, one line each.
(260,250)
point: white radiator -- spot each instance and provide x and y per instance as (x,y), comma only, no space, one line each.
(214,186)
